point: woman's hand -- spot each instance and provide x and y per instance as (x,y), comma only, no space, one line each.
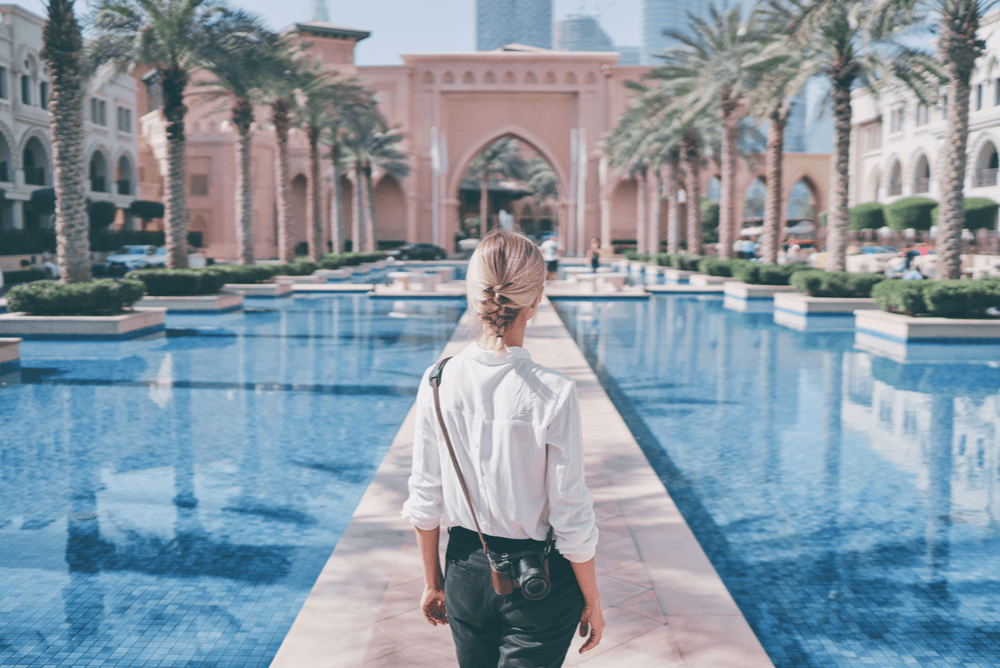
(591,621)
(432,605)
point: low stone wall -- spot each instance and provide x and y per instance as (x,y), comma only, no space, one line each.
(738,290)
(10,351)
(259,289)
(137,323)
(908,329)
(217,303)
(796,302)
(704,280)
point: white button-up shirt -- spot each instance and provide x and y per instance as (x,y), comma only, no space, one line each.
(515,426)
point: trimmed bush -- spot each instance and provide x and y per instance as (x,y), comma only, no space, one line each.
(664,259)
(24,276)
(766,274)
(686,261)
(100,297)
(944,299)
(817,283)
(300,267)
(868,216)
(242,273)
(980,213)
(715,267)
(179,282)
(910,212)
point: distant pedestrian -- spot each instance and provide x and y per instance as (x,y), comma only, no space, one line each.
(594,253)
(550,253)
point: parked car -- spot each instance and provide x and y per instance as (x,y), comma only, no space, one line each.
(870,259)
(418,252)
(129,258)
(195,258)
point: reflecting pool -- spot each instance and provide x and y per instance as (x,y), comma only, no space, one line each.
(171,502)
(851,503)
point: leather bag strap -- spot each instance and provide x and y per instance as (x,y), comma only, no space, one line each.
(435,381)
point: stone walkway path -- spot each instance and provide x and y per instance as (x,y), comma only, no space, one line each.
(663,602)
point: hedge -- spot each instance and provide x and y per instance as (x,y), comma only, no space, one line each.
(716,267)
(910,212)
(179,282)
(980,213)
(100,297)
(944,299)
(243,273)
(817,283)
(868,216)
(766,274)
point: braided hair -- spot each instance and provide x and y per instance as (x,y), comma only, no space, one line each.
(505,276)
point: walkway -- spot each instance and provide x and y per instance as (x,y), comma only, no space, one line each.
(663,602)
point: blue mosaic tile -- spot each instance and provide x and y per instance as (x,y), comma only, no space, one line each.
(850,503)
(171,502)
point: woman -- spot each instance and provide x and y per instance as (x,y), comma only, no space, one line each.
(515,429)
(594,253)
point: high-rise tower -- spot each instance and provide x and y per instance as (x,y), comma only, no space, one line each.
(500,22)
(319,11)
(660,15)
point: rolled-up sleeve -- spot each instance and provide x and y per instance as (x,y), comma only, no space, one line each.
(571,508)
(425,504)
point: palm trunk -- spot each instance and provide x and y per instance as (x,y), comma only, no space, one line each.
(175,214)
(370,242)
(242,118)
(337,213)
(362,205)
(63,48)
(728,107)
(772,174)
(280,119)
(484,203)
(653,247)
(314,212)
(673,206)
(692,187)
(960,49)
(836,240)
(356,214)
(640,212)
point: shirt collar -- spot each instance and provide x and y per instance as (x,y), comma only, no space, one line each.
(513,354)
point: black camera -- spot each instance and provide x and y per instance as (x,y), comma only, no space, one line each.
(528,568)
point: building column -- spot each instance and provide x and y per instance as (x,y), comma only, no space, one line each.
(605,203)
(452,221)
(17,213)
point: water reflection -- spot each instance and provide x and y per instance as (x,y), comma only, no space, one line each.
(172,501)
(849,501)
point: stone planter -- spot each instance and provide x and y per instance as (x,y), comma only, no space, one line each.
(747,298)
(913,339)
(703,280)
(134,324)
(684,289)
(813,314)
(10,352)
(220,302)
(676,275)
(3,305)
(333,274)
(259,289)
(313,278)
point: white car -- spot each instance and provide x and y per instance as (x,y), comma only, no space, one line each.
(129,258)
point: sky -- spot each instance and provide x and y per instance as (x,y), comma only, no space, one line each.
(416,26)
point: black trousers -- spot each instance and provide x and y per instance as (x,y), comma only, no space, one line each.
(491,630)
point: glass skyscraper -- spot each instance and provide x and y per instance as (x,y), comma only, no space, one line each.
(501,22)
(660,15)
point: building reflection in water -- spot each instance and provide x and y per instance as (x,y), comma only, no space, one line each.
(849,501)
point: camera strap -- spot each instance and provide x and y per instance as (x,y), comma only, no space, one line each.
(435,381)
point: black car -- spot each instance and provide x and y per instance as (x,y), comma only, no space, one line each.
(418,252)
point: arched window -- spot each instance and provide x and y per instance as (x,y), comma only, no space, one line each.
(123,177)
(489,78)
(986,166)
(895,180)
(530,78)
(468,78)
(922,176)
(34,162)
(6,169)
(753,207)
(714,193)
(98,173)
(448,78)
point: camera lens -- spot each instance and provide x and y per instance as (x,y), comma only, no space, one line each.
(532,578)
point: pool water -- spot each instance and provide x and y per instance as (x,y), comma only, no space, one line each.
(171,502)
(850,503)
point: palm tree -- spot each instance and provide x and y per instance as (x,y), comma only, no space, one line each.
(542,181)
(236,49)
(707,72)
(62,51)
(370,145)
(501,159)
(836,43)
(321,97)
(163,35)
(958,47)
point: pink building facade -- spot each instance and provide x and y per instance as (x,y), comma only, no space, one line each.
(449,107)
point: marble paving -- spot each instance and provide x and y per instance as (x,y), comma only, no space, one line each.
(663,601)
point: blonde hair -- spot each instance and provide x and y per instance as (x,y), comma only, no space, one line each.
(505,276)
